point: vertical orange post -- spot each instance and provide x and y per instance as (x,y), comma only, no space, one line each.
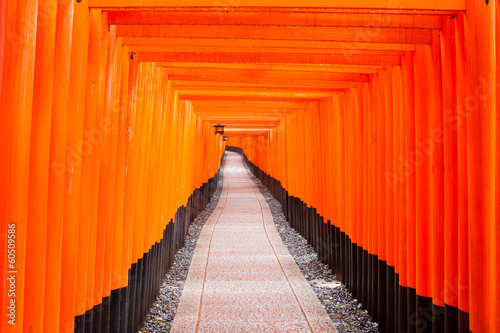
(39,167)
(3,46)
(371,188)
(480,113)
(83,300)
(437,181)
(17,99)
(95,254)
(349,151)
(58,166)
(366,161)
(130,108)
(122,231)
(74,151)
(450,162)
(463,209)
(110,130)
(496,225)
(389,167)
(359,162)
(400,193)
(134,147)
(376,204)
(101,189)
(410,174)
(421,157)
(341,113)
(4,162)
(381,162)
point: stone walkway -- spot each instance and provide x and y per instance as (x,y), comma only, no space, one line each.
(242,278)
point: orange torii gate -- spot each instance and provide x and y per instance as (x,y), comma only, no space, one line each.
(374,122)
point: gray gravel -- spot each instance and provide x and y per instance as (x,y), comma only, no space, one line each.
(161,315)
(346,312)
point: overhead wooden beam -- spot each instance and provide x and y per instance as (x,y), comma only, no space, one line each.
(329,10)
(192,97)
(343,34)
(243,130)
(230,49)
(235,115)
(232,123)
(373,69)
(261,81)
(229,118)
(276,18)
(257,89)
(311,59)
(244,111)
(249,124)
(240,134)
(253,94)
(254,105)
(270,85)
(272,74)
(255,45)
(246,125)
(375,4)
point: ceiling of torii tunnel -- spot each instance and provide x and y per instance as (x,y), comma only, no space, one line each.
(256,58)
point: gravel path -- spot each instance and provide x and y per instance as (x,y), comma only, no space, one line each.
(343,309)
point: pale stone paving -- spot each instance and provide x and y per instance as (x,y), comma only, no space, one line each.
(242,278)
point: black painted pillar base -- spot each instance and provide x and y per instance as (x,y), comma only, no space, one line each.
(371,280)
(125,309)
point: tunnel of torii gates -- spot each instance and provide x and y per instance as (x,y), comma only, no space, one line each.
(372,122)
